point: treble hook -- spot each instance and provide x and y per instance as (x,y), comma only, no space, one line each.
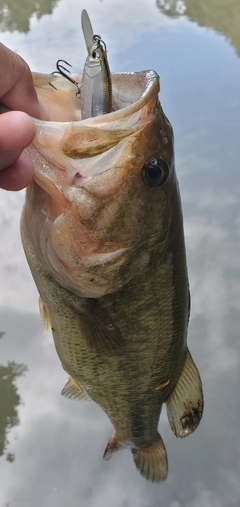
(60,70)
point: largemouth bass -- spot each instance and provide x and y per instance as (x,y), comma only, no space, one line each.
(102,230)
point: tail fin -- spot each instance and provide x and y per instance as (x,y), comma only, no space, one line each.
(151,461)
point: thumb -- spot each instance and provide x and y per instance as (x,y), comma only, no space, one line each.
(17,91)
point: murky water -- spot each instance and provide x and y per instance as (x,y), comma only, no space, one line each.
(51,449)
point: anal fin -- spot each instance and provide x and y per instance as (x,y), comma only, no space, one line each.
(113,445)
(185,403)
(151,461)
(73,391)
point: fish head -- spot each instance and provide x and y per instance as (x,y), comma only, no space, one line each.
(102,198)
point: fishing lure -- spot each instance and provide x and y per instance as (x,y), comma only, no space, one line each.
(95,91)
(96,87)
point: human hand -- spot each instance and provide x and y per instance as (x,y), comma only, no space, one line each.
(17,129)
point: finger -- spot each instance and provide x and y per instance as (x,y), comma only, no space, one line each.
(17,131)
(18,175)
(16,84)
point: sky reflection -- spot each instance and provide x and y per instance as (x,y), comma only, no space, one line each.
(58,444)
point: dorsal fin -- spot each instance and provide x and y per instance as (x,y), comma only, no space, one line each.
(185,403)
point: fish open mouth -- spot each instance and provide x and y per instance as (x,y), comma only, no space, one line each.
(68,150)
(131,91)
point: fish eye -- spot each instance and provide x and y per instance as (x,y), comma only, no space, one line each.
(155,172)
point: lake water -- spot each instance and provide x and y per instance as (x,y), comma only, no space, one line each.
(51,448)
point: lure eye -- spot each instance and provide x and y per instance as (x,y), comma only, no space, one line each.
(155,172)
(96,54)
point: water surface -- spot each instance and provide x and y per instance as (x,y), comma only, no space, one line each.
(51,448)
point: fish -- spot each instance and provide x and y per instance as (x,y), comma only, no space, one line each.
(96,86)
(102,230)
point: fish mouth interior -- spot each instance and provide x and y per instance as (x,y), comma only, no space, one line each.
(58,95)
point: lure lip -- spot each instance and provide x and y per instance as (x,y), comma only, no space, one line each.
(87,30)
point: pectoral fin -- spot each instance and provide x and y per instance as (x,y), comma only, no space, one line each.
(151,461)
(73,391)
(44,314)
(185,403)
(99,331)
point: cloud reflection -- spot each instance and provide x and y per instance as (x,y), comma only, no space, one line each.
(222,16)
